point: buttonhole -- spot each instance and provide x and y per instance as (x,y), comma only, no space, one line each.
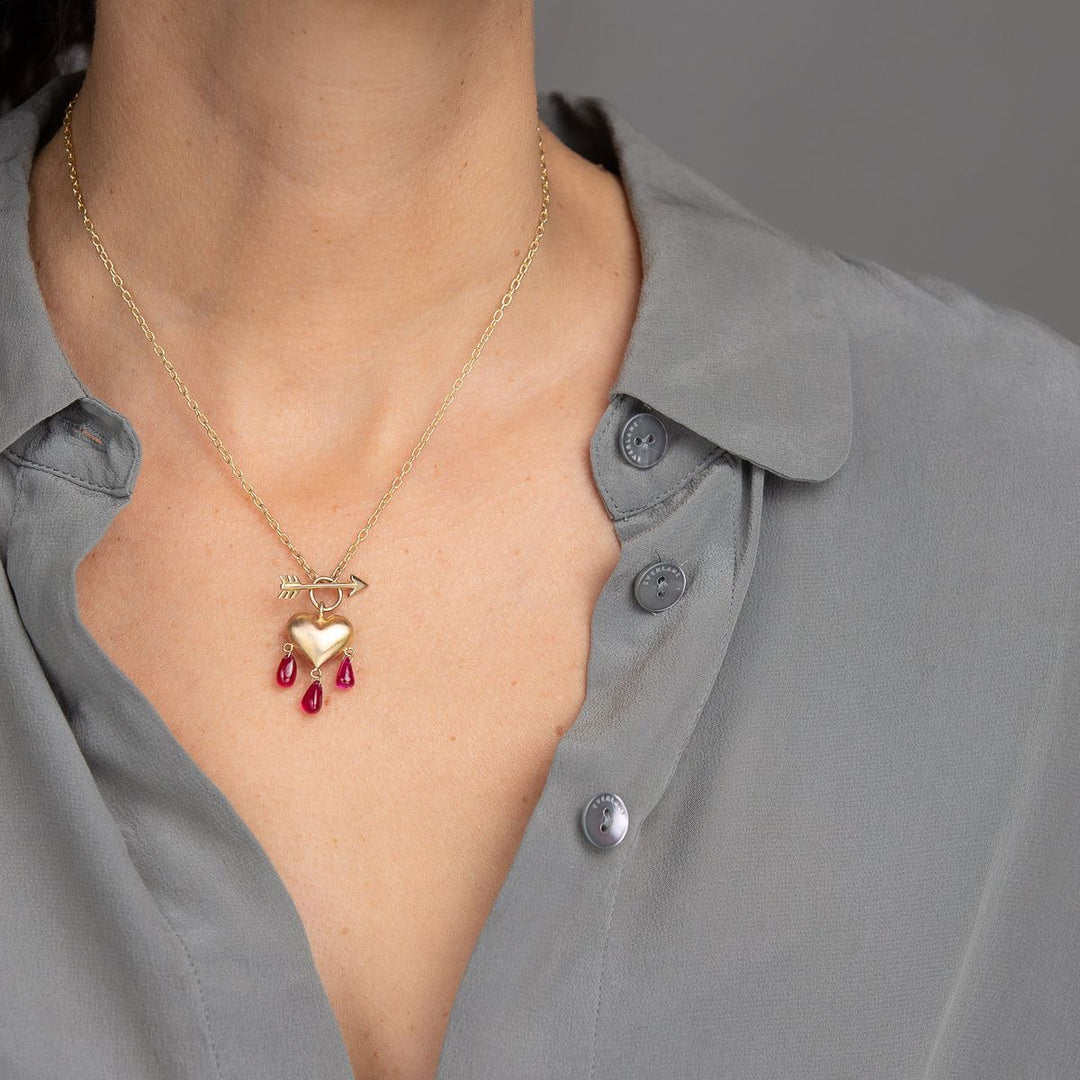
(90,435)
(77,426)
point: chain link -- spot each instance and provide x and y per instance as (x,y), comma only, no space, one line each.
(226,456)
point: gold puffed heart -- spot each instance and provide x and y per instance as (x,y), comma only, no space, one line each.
(319,639)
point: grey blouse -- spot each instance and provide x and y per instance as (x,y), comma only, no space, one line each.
(833,680)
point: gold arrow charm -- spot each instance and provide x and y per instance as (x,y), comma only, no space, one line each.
(291,585)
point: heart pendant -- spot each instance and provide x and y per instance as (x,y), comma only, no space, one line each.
(319,639)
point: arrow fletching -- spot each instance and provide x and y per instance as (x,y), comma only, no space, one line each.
(288,580)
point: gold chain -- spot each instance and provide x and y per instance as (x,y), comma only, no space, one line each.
(214,438)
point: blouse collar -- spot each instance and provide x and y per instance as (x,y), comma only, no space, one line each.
(737,335)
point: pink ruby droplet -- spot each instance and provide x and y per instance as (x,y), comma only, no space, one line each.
(312,700)
(345,674)
(286,671)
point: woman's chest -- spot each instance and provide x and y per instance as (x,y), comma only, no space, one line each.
(853,764)
(393,814)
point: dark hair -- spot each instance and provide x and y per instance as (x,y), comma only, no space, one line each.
(40,39)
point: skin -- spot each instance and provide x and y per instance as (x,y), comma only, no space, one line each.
(317,205)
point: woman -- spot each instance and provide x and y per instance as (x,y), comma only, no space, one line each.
(704,703)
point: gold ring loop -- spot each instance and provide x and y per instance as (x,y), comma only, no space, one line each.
(330,584)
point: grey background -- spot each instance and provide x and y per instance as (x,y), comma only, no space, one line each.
(934,136)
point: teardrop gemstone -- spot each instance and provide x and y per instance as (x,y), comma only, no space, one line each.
(286,671)
(345,674)
(312,700)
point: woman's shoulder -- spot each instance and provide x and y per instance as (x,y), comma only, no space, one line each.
(950,376)
(965,446)
(946,328)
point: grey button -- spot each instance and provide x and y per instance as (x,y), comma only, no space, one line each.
(658,586)
(604,820)
(643,440)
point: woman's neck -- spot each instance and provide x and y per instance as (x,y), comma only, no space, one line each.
(315,178)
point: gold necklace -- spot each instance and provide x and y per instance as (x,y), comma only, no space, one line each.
(323,636)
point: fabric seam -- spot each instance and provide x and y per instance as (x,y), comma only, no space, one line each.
(78,481)
(699,712)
